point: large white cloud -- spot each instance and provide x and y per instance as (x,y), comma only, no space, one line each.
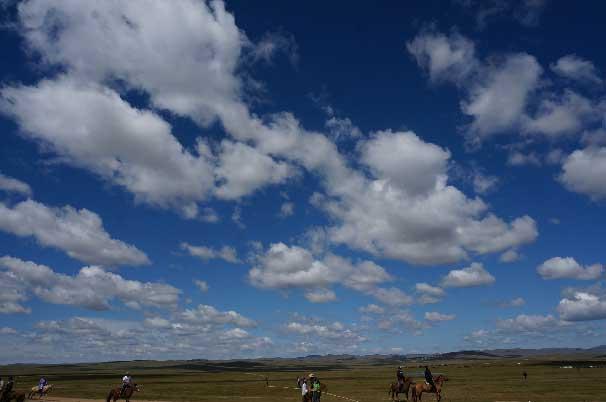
(420,219)
(136,149)
(584,171)
(474,275)
(92,288)
(92,127)
(283,267)
(582,306)
(568,267)
(79,233)
(184,54)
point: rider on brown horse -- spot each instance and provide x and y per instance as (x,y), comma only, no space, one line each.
(127,381)
(400,377)
(429,378)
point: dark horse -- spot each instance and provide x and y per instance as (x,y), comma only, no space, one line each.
(114,394)
(395,389)
(16,396)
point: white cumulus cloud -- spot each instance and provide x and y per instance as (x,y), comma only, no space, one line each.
(78,232)
(91,288)
(568,267)
(474,275)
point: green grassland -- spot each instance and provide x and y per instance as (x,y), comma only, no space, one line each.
(364,380)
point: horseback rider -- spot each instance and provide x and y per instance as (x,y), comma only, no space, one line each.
(400,377)
(41,384)
(126,382)
(7,389)
(429,378)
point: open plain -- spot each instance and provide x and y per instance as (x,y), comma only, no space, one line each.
(363,380)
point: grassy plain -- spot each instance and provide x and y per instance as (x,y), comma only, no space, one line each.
(358,379)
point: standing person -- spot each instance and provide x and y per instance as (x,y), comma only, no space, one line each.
(429,378)
(304,391)
(316,390)
(525,374)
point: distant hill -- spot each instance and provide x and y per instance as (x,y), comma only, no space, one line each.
(329,361)
(597,351)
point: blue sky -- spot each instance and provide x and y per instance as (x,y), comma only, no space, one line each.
(224,180)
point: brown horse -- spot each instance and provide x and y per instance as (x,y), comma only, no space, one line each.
(36,390)
(418,389)
(395,389)
(114,394)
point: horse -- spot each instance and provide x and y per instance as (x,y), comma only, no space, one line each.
(36,390)
(418,389)
(114,393)
(16,396)
(395,389)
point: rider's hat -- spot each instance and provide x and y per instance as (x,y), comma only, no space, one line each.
(312,375)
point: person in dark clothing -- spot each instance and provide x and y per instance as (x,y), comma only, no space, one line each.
(525,374)
(429,378)
(400,377)
(7,390)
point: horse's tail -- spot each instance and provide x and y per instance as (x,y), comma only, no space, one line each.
(414,393)
(110,395)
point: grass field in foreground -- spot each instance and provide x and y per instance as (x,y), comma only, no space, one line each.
(498,380)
